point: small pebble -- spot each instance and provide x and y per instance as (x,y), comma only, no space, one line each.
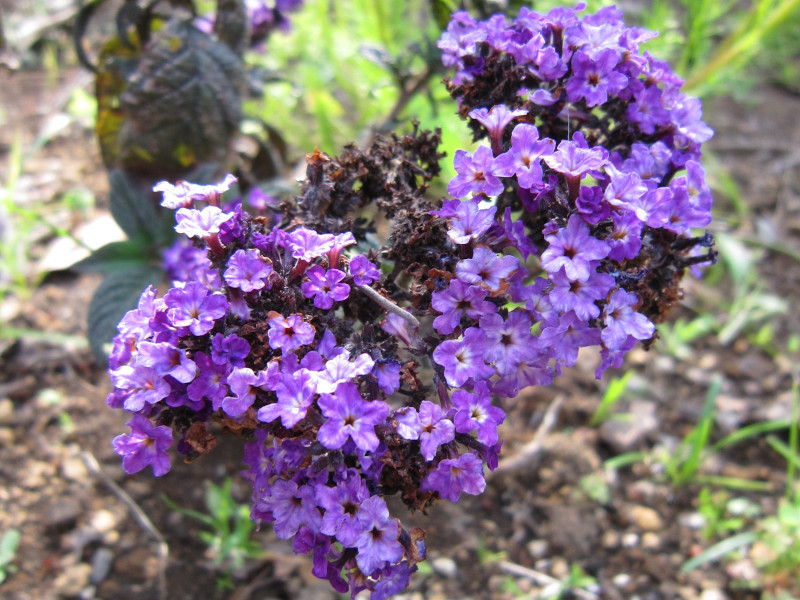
(692,520)
(6,412)
(538,548)
(445,566)
(72,579)
(63,514)
(621,580)
(101,565)
(74,469)
(560,568)
(630,540)
(650,540)
(610,539)
(646,518)
(713,594)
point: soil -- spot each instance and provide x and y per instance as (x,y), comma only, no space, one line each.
(554,510)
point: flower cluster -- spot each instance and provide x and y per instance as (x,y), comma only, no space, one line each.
(608,210)
(358,372)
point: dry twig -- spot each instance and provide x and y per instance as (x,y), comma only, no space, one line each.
(529,452)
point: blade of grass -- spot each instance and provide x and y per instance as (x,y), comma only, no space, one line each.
(791,490)
(680,469)
(735,483)
(719,550)
(748,432)
(624,460)
(616,388)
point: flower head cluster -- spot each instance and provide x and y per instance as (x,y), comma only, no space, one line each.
(353,382)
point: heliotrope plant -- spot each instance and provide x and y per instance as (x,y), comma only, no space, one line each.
(360,372)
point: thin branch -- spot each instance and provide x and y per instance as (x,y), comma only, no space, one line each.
(526,455)
(138,515)
(389,305)
(542,579)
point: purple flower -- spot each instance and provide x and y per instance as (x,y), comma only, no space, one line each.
(292,506)
(349,416)
(578,295)
(341,504)
(470,222)
(495,121)
(210,382)
(362,270)
(455,475)
(230,350)
(325,286)
(248,271)
(378,544)
(146,445)
(573,248)
(406,423)
(647,109)
(388,375)
(341,369)
(524,158)
(140,385)
(622,320)
(476,174)
(463,359)
(200,223)
(185,194)
(435,429)
(624,189)
(243,382)
(594,78)
(306,244)
(458,299)
(515,232)
(573,158)
(486,268)
(566,337)
(295,396)
(626,239)
(193,307)
(166,359)
(508,342)
(289,333)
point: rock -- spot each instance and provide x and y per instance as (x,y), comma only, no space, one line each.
(646,518)
(621,579)
(445,566)
(650,540)
(101,565)
(610,539)
(630,540)
(6,412)
(713,594)
(624,435)
(74,469)
(538,549)
(560,568)
(63,514)
(691,520)
(72,579)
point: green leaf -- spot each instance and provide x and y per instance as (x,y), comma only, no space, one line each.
(117,256)
(133,209)
(8,546)
(719,550)
(117,294)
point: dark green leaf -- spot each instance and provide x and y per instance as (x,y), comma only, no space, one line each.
(117,256)
(117,294)
(132,209)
